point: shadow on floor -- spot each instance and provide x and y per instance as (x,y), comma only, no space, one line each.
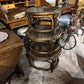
(77,81)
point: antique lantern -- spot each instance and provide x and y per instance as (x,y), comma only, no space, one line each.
(43,49)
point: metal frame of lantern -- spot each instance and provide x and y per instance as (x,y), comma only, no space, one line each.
(50,54)
(43,36)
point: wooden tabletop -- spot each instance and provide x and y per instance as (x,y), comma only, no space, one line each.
(13,41)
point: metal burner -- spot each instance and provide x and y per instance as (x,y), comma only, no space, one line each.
(43,53)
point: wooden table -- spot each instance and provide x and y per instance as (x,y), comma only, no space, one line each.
(10,51)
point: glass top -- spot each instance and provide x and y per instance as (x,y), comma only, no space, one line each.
(41,9)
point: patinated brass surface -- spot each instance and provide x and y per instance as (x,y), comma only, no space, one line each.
(44,52)
(44,46)
(53,64)
(50,13)
(44,58)
(48,49)
(43,36)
